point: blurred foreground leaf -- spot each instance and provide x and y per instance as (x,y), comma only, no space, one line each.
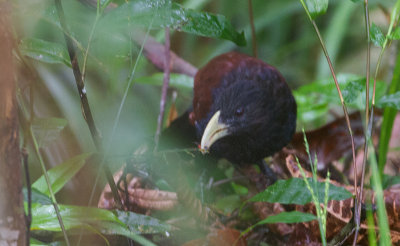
(161,14)
(294,191)
(61,174)
(94,219)
(46,130)
(176,80)
(44,51)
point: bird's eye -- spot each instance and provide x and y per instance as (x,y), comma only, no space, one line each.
(239,112)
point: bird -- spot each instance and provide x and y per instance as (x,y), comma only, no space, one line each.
(243,110)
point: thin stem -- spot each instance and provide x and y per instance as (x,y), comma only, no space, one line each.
(86,111)
(165,85)
(253,29)
(346,114)
(368,124)
(356,214)
(47,179)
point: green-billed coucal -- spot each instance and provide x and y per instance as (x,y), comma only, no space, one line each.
(242,110)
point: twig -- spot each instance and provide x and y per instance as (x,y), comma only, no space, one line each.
(87,114)
(368,124)
(154,51)
(165,85)
(253,29)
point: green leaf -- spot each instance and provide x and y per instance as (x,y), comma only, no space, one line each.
(44,51)
(392,101)
(294,191)
(176,80)
(316,7)
(142,224)
(395,34)
(94,219)
(288,217)
(163,13)
(352,90)
(377,36)
(388,181)
(284,217)
(389,116)
(37,196)
(356,1)
(228,204)
(61,174)
(46,130)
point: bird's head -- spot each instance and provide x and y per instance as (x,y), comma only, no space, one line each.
(253,114)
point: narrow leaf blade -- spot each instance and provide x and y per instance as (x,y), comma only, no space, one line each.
(61,174)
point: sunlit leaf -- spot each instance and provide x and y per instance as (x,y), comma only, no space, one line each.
(377,36)
(164,13)
(44,51)
(61,174)
(46,130)
(392,101)
(316,7)
(176,80)
(294,191)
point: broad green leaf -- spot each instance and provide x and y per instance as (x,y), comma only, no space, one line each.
(142,224)
(176,80)
(294,191)
(377,36)
(37,196)
(284,217)
(392,101)
(288,217)
(356,1)
(44,51)
(163,13)
(395,34)
(316,7)
(104,221)
(61,174)
(46,130)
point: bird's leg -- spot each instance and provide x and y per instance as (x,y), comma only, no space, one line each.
(267,172)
